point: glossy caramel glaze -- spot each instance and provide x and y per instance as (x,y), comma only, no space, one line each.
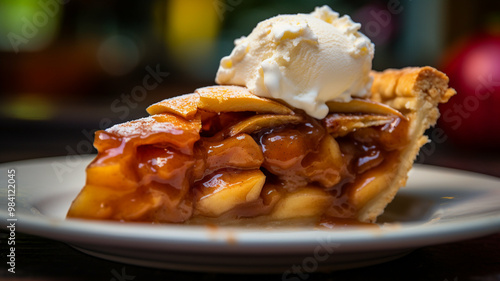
(159,168)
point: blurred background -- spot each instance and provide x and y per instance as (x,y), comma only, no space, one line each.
(70,67)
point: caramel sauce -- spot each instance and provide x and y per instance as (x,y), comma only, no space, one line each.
(285,149)
(164,162)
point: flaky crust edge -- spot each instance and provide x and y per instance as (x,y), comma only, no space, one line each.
(416,92)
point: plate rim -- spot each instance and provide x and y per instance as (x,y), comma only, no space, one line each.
(230,240)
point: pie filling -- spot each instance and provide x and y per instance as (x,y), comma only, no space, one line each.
(240,165)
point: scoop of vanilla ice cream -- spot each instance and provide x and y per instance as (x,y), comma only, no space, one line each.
(304,60)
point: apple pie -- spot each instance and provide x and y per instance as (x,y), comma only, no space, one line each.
(222,154)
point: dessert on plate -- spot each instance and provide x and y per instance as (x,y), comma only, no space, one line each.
(299,129)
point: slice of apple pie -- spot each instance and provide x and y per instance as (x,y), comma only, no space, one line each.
(225,155)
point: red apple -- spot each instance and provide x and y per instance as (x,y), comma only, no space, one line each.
(472,117)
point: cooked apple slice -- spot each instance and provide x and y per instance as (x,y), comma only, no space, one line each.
(184,106)
(362,106)
(100,202)
(368,188)
(235,98)
(339,125)
(227,189)
(305,202)
(161,164)
(241,152)
(138,206)
(111,176)
(96,202)
(326,165)
(258,122)
(157,129)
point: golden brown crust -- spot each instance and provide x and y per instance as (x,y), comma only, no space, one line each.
(400,88)
(217,99)
(185,106)
(416,92)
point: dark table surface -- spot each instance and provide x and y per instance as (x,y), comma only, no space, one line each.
(39,258)
(44,259)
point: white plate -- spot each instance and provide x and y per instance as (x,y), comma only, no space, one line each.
(437,206)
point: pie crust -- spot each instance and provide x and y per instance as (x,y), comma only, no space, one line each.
(415,92)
